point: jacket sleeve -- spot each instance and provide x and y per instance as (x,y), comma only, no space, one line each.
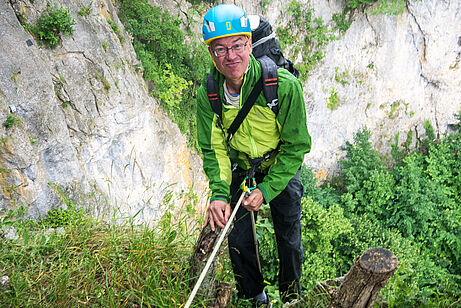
(216,162)
(294,137)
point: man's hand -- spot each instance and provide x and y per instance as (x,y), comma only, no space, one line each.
(254,201)
(218,213)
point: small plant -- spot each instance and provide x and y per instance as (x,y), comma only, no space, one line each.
(52,23)
(61,78)
(312,45)
(85,11)
(15,75)
(341,77)
(395,105)
(333,101)
(32,140)
(115,29)
(11,120)
(4,140)
(342,24)
(104,46)
(106,84)
(264,4)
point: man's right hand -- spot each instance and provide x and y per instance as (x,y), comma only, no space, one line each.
(218,213)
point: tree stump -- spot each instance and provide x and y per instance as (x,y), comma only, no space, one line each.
(366,278)
(217,295)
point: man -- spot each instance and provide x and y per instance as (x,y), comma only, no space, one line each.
(283,137)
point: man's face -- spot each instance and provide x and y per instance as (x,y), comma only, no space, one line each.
(232,64)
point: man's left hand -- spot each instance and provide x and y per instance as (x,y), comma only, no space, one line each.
(254,201)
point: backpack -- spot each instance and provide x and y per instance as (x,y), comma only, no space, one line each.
(267,50)
(265,43)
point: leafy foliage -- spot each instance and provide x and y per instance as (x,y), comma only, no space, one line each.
(412,208)
(53,22)
(11,120)
(113,263)
(174,67)
(315,36)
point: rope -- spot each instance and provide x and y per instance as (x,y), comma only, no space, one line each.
(213,253)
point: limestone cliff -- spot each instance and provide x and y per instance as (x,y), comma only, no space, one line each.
(389,73)
(87,125)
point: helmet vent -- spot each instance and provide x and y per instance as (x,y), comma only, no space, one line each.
(210,26)
(244,21)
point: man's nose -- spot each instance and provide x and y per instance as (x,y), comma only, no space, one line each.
(231,54)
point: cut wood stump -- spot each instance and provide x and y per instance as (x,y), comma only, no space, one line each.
(366,278)
(217,295)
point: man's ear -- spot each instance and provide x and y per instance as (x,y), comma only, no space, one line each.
(249,44)
(210,50)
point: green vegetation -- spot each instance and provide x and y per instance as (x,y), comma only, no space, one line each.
(15,75)
(315,36)
(341,77)
(11,120)
(332,100)
(387,7)
(52,23)
(174,67)
(84,262)
(85,11)
(301,22)
(412,208)
(116,30)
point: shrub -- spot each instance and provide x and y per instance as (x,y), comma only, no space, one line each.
(11,120)
(52,23)
(160,44)
(316,36)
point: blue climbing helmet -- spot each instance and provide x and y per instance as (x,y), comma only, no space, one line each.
(225,20)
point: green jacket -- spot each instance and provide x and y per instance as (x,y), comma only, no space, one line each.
(260,132)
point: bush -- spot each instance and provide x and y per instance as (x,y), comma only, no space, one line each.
(11,120)
(53,22)
(412,208)
(316,36)
(168,61)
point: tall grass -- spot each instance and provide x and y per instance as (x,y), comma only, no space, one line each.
(89,262)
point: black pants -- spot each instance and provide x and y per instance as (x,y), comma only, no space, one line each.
(286,215)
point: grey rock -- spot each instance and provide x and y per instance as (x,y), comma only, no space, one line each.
(4,283)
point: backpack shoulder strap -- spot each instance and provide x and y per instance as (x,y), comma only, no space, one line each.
(269,75)
(213,95)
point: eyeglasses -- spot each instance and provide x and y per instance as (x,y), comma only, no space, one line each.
(222,51)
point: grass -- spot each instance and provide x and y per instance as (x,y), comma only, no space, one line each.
(69,259)
(90,262)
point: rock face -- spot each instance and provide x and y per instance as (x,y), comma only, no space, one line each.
(388,73)
(87,127)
